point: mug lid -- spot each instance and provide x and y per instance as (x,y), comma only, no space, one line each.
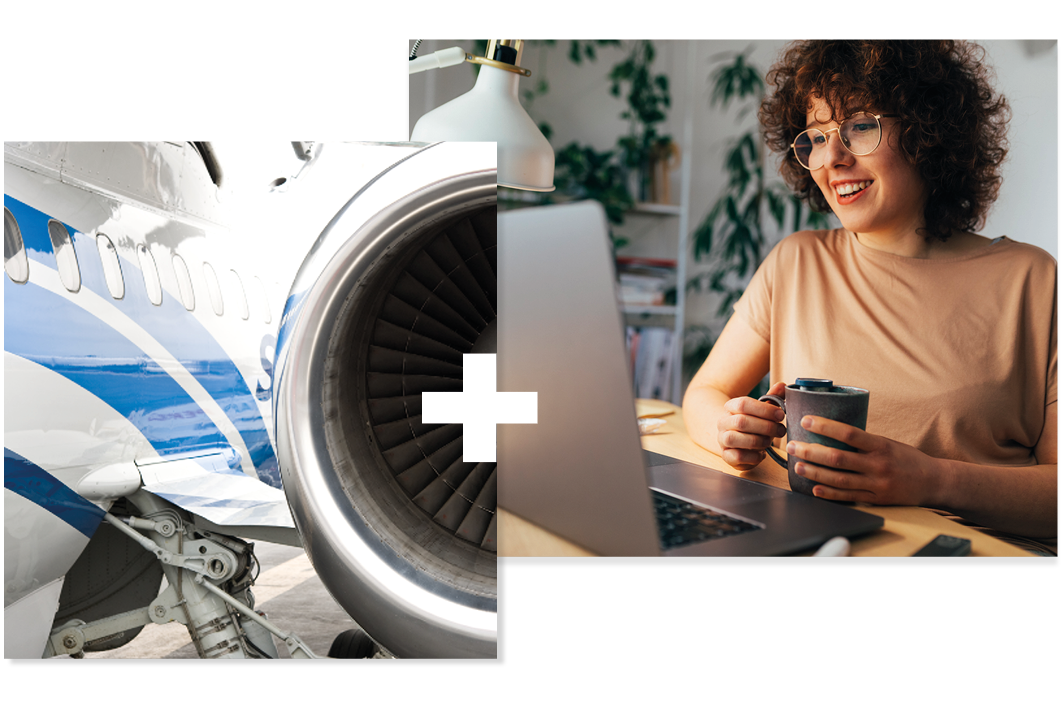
(814,383)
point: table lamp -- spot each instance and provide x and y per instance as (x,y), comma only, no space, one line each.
(491,112)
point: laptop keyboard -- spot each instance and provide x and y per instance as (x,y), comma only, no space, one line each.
(681,523)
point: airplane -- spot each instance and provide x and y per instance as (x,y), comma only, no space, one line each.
(186,372)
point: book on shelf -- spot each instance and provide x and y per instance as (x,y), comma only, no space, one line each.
(652,352)
(644,281)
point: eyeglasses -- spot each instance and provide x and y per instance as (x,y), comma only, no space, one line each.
(860,134)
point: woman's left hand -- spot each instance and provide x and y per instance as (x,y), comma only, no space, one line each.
(881,471)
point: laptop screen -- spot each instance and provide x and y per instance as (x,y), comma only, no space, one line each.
(579,472)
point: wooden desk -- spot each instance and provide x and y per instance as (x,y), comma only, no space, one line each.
(905,529)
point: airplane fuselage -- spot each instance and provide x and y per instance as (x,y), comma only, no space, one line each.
(131,337)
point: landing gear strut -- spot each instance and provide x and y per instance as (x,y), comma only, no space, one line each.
(210,578)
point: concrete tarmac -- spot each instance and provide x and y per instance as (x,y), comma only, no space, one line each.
(287,589)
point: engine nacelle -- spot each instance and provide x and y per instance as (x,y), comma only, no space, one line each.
(399,285)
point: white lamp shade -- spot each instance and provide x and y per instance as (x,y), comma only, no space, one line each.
(491,112)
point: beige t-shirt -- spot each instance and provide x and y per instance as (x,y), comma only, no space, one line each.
(959,354)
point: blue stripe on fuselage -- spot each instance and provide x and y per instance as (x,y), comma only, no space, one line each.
(183,336)
(30,481)
(50,330)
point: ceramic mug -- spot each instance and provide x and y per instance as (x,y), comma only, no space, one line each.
(821,397)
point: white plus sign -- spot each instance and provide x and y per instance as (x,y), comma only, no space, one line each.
(479,407)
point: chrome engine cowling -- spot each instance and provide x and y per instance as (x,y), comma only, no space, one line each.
(399,285)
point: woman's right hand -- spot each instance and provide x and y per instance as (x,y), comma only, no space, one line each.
(749,428)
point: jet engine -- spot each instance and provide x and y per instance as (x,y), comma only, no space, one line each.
(398,286)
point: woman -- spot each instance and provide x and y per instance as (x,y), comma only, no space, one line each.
(953,333)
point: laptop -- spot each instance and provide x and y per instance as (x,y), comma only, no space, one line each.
(581,472)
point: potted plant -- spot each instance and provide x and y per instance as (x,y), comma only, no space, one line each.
(620,177)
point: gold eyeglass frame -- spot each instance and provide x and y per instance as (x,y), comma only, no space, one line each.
(794,144)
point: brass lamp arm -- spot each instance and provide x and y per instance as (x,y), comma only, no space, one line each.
(456,55)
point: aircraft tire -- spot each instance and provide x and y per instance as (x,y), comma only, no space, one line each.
(353,644)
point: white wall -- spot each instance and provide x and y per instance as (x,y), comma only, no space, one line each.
(1026,209)
(579,107)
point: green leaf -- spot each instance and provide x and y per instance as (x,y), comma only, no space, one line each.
(776,206)
(751,145)
(721,93)
(731,208)
(622,71)
(702,239)
(716,282)
(735,165)
(733,244)
(744,261)
(736,79)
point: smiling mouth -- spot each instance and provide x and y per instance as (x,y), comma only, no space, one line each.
(848,189)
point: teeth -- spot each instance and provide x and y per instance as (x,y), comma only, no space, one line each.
(850,188)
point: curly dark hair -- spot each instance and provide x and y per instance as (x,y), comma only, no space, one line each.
(952,126)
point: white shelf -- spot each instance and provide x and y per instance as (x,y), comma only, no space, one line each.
(656,209)
(649,309)
(673,316)
(650,315)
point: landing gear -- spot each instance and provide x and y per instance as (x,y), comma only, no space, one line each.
(209,579)
(353,644)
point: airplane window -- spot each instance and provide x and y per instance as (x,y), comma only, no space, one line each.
(112,267)
(15,262)
(241,298)
(213,289)
(152,284)
(65,257)
(184,283)
(261,290)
